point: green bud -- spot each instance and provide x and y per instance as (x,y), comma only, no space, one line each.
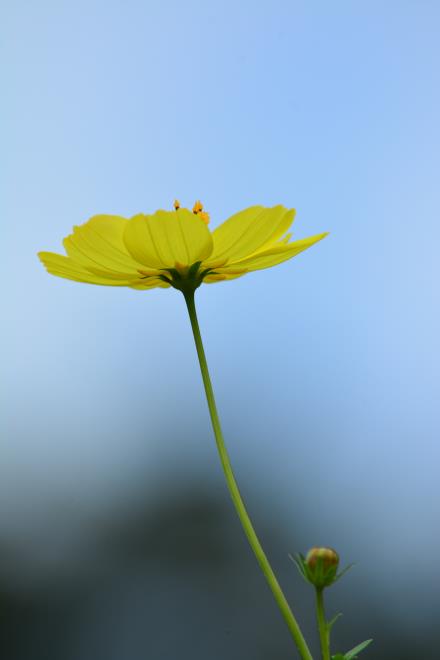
(319,567)
(322,566)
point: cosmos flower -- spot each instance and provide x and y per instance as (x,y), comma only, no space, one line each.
(176,248)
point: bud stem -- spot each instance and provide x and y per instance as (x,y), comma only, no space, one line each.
(235,493)
(324,632)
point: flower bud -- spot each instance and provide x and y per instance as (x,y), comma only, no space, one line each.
(321,566)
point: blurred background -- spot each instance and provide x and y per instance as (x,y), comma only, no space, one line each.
(117,536)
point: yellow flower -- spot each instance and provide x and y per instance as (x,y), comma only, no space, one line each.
(176,248)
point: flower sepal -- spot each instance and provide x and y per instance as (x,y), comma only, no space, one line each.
(185,278)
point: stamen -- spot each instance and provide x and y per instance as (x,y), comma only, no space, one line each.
(176,205)
(198,210)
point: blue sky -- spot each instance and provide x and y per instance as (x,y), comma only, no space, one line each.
(326,367)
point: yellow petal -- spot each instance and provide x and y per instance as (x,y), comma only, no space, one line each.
(210,279)
(167,237)
(150,283)
(251,230)
(58,264)
(61,266)
(98,245)
(220,277)
(274,255)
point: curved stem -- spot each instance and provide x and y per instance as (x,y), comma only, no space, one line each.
(322,625)
(235,493)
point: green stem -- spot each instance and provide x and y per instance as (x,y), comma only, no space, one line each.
(235,493)
(322,625)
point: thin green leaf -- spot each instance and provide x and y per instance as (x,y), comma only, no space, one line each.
(338,656)
(350,655)
(332,622)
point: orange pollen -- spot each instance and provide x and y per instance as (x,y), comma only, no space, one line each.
(203,216)
(176,205)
